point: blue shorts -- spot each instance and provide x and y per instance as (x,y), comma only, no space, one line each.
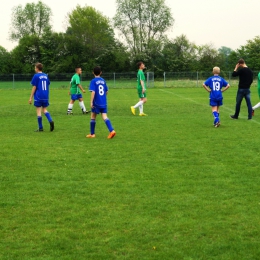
(76,96)
(215,103)
(39,103)
(97,110)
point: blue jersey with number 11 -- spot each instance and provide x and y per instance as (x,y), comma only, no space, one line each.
(41,82)
(99,86)
(215,83)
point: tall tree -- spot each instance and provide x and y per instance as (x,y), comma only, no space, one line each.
(31,20)
(91,31)
(207,58)
(141,23)
(251,53)
(224,55)
(26,54)
(4,60)
(179,54)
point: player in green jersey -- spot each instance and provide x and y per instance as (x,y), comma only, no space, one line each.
(75,92)
(258,88)
(141,89)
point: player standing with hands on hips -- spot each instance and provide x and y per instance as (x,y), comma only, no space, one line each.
(75,88)
(40,92)
(98,103)
(214,86)
(245,81)
(141,89)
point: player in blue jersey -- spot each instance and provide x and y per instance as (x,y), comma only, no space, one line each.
(40,92)
(98,103)
(214,85)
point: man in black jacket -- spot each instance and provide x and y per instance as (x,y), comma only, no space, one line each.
(245,81)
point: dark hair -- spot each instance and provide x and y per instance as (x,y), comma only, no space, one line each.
(97,70)
(241,61)
(139,64)
(39,66)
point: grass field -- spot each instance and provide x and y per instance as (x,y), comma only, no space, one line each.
(168,186)
(117,84)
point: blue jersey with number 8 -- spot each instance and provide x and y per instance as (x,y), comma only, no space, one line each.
(41,82)
(99,86)
(215,83)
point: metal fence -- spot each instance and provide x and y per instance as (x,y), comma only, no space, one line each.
(120,80)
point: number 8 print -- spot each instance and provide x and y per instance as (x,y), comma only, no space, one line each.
(101,90)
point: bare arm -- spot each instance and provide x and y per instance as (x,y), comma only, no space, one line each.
(207,88)
(142,84)
(83,90)
(224,89)
(92,98)
(32,93)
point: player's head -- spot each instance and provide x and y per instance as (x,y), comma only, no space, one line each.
(78,70)
(241,61)
(216,70)
(140,65)
(97,71)
(38,67)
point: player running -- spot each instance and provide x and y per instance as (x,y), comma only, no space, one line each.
(40,92)
(75,92)
(98,103)
(141,89)
(214,86)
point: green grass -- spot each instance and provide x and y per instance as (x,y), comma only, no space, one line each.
(118,84)
(168,186)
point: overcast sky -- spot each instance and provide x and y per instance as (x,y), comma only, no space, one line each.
(222,23)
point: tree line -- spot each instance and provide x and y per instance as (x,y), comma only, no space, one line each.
(90,40)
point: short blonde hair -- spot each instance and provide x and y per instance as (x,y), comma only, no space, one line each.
(216,70)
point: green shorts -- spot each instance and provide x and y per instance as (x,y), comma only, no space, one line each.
(141,95)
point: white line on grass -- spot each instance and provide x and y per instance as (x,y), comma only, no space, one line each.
(194,101)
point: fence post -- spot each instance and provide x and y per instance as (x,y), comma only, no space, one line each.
(164,79)
(197,78)
(114,79)
(13,81)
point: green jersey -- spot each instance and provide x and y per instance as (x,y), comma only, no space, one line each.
(140,76)
(75,81)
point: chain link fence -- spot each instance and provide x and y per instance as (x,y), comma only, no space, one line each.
(120,80)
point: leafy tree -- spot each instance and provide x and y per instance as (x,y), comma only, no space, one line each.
(180,54)
(224,56)
(26,54)
(141,23)
(91,32)
(5,61)
(31,20)
(251,53)
(207,58)
(115,58)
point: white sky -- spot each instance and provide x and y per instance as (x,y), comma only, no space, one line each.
(222,23)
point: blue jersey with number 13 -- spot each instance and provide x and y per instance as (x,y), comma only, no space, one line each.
(41,82)
(215,83)
(99,86)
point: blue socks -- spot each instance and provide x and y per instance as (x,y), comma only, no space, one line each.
(216,117)
(40,122)
(48,117)
(109,125)
(92,126)
(39,118)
